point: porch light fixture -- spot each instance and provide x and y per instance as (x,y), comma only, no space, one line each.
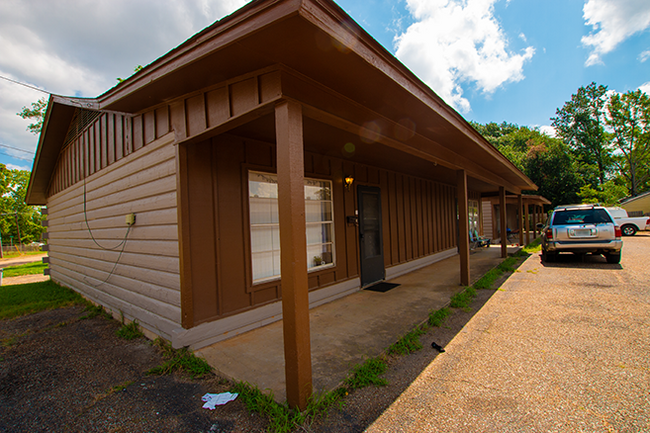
(348,182)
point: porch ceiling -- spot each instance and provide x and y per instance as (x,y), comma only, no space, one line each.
(324,139)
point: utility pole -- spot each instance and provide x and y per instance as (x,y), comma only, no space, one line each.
(18,228)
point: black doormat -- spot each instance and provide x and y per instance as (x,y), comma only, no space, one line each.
(381,287)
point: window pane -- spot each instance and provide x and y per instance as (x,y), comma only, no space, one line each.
(319,233)
(263,265)
(262,185)
(318,211)
(319,255)
(263,210)
(317,190)
(265,238)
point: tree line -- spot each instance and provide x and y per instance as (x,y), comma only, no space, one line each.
(601,152)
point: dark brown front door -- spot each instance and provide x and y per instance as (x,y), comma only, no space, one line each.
(370,241)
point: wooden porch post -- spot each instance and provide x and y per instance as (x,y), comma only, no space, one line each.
(527,224)
(293,254)
(463,226)
(504,222)
(535,221)
(520,205)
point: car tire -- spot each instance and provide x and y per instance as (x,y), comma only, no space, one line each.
(628,230)
(613,258)
(548,257)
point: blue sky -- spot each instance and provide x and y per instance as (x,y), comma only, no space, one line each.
(493,60)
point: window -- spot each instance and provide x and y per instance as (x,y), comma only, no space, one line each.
(265,226)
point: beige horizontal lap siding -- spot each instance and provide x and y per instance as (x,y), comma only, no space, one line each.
(145,283)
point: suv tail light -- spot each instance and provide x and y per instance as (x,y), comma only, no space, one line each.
(617,231)
(549,233)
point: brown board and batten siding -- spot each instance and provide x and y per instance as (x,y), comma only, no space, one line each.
(145,283)
(418,221)
(97,140)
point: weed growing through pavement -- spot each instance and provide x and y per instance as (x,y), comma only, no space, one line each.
(463,299)
(410,342)
(94,311)
(533,247)
(130,331)
(179,360)
(281,417)
(437,318)
(367,374)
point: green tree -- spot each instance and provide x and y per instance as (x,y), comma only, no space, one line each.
(19,222)
(550,165)
(629,119)
(547,161)
(37,113)
(608,194)
(581,124)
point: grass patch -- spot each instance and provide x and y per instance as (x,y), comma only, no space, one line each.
(534,247)
(463,299)
(180,360)
(21,299)
(508,265)
(281,417)
(437,318)
(26,269)
(367,374)
(486,281)
(410,342)
(14,254)
(130,331)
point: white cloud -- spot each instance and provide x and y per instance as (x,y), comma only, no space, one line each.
(18,167)
(645,88)
(613,21)
(79,48)
(456,41)
(644,56)
(548,130)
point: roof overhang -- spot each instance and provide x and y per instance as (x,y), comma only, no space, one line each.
(315,39)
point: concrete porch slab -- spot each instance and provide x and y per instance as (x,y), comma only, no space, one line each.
(349,330)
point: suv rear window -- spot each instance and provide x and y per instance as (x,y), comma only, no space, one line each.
(581,216)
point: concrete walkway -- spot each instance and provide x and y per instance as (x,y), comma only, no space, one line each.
(562,347)
(347,331)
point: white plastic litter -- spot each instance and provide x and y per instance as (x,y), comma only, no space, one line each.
(214,400)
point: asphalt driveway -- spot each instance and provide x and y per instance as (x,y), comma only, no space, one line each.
(559,348)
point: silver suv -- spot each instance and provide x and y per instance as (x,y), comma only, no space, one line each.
(581,229)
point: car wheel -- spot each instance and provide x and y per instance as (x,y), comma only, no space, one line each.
(613,258)
(628,230)
(548,257)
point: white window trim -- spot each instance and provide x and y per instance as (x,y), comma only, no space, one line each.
(307,224)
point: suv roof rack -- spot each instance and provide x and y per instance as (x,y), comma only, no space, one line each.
(578,206)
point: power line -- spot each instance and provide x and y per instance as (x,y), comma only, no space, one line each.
(17,157)
(26,85)
(15,148)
